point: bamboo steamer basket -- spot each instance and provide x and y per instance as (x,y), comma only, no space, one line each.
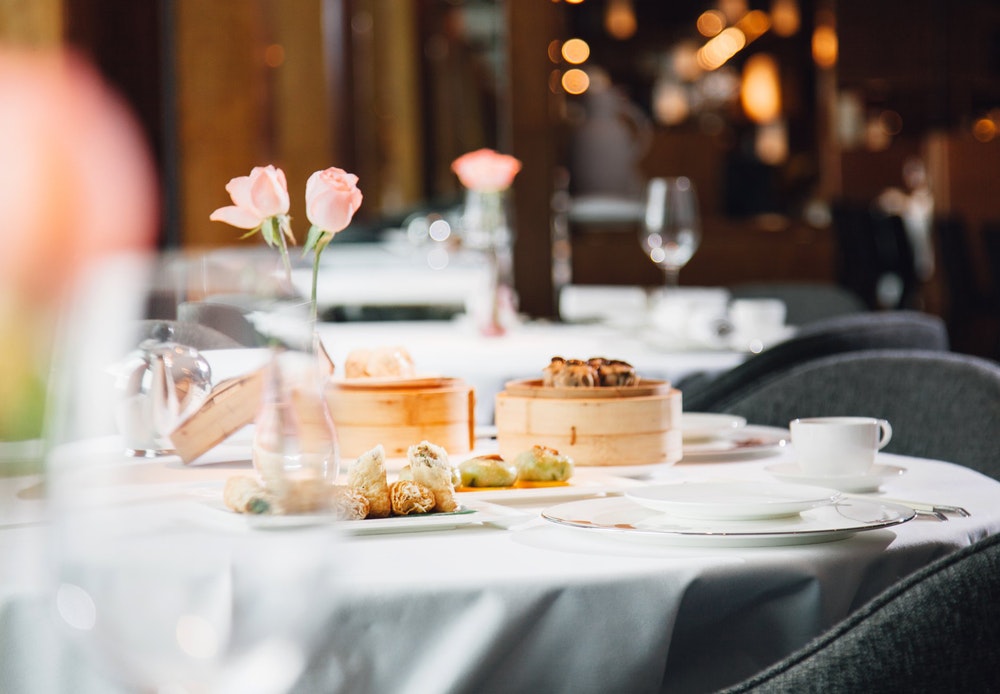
(601,426)
(400,413)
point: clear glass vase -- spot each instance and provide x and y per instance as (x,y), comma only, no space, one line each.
(295,450)
(486,229)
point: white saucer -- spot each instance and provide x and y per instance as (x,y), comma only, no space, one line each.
(751,441)
(732,500)
(856,484)
(699,426)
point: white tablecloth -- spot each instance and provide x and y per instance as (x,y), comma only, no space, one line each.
(479,608)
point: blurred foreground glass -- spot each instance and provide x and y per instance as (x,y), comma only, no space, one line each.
(671,231)
(150,582)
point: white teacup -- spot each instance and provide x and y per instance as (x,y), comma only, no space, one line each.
(759,318)
(838,446)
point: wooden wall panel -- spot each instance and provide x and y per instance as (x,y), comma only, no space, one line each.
(237,111)
(533,138)
(31,22)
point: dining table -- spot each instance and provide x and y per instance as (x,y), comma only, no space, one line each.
(567,588)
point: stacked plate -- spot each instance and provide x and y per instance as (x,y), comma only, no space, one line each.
(710,437)
(742,514)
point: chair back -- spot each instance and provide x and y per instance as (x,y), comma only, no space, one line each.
(847,333)
(937,630)
(227,319)
(874,256)
(942,405)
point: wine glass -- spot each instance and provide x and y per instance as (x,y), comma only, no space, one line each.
(671,229)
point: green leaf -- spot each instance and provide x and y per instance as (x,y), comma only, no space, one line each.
(269,231)
(314,240)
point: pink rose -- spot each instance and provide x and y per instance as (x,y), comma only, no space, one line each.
(332,198)
(262,194)
(486,171)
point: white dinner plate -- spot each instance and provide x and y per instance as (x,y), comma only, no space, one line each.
(732,500)
(698,426)
(856,484)
(584,482)
(622,517)
(741,444)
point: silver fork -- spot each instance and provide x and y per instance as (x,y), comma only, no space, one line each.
(939,511)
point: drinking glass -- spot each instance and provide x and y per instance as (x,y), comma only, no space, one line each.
(671,229)
(154,583)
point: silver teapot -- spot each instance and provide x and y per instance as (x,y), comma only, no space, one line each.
(160,384)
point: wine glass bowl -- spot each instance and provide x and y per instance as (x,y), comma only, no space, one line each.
(671,230)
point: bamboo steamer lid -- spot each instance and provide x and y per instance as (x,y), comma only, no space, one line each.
(600,426)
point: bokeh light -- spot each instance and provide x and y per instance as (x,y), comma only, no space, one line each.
(575,81)
(575,51)
(710,23)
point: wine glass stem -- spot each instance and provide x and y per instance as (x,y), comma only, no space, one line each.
(671,276)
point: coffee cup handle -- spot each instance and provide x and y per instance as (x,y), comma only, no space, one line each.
(885,433)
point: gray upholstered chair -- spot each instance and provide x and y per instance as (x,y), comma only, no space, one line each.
(228,319)
(942,405)
(845,333)
(937,630)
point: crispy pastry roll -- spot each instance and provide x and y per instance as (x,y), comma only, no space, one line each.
(367,475)
(430,467)
(347,503)
(408,498)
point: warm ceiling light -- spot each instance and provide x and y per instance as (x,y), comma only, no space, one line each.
(824,40)
(891,121)
(733,9)
(274,55)
(753,24)
(717,51)
(555,51)
(683,58)
(575,51)
(760,89)
(555,81)
(710,23)
(670,102)
(619,19)
(575,81)
(785,17)
(573,2)
(984,130)
(771,143)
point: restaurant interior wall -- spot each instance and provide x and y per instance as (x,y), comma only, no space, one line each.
(224,86)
